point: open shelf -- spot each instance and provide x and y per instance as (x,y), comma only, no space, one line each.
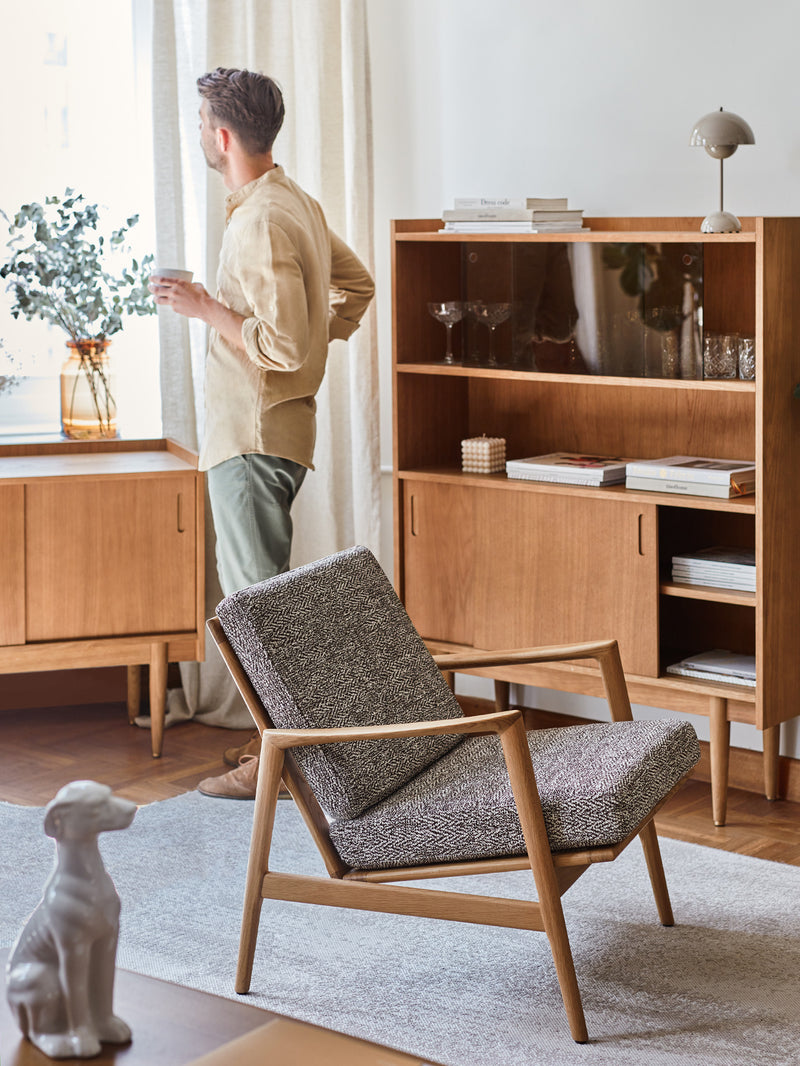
(707,592)
(745,505)
(502,373)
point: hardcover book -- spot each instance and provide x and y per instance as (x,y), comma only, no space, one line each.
(691,488)
(730,568)
(510,214)
(571,468)
(543,203)
(718,665)
(694,468)
(513,227)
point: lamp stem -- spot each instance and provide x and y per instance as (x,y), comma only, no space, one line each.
(720,185)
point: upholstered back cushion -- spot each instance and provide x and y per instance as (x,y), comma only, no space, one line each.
(330,644)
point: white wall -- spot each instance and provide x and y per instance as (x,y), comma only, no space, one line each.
(595,101)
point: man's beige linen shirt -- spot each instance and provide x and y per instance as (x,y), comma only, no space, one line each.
(298,287)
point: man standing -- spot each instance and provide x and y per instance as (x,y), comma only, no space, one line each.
(286,286)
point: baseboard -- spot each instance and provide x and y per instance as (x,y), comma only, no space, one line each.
(745,771)
(63,688)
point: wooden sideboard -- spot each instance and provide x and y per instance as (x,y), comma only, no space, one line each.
(486,562)
(102,561)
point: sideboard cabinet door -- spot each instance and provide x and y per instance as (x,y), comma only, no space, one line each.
(12,564)
(555,568)
(438,560)
(110,557)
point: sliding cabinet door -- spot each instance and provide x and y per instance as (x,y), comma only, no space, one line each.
(555,567)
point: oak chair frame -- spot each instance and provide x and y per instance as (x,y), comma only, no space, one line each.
(373,890)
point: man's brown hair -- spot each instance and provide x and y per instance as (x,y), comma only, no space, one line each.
(249,104)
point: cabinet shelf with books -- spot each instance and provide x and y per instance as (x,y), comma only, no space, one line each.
(486,561)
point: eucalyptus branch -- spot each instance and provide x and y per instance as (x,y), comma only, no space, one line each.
(63,270)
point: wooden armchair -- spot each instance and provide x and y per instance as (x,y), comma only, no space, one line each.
(395,784)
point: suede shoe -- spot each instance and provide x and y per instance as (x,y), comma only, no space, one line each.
(231,756)
(238,784)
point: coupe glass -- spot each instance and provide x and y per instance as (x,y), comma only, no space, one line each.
(448,313)
(491,315)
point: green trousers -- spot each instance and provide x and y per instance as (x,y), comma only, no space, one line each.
(251,498)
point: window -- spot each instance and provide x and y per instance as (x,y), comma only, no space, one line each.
(77,114)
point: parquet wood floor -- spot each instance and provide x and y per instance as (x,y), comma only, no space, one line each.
(40,750)
(43,749)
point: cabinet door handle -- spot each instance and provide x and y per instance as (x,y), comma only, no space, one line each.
(413,508)
(181,527)
(640,531)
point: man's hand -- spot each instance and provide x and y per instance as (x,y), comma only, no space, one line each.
(190,299)
(186,297)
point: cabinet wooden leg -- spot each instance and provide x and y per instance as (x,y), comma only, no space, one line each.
(134,692)
(450,679)
(158,695)
(502,695)
(772,744)
(720,756)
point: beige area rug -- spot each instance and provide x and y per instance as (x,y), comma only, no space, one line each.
(721,988)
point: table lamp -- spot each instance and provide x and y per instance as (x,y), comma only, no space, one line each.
(720,133)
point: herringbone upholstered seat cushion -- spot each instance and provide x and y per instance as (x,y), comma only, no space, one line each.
(330,644)
(596,782)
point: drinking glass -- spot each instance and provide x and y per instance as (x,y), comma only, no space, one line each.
(747,358)
(720,355)
(491,315)
(448,313)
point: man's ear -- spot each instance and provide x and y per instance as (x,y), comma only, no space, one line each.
(223,136)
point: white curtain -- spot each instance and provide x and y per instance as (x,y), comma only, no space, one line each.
(317,52)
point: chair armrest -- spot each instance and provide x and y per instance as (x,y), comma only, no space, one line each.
(496,722)
(519,656)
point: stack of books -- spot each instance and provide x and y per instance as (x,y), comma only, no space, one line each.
(718,665)
(720,567)
(693,476)
(569,468)
(530,214)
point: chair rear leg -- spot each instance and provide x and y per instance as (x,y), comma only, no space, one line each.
(655,868)
(270,769)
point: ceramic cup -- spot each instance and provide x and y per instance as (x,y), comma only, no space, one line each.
(170,272)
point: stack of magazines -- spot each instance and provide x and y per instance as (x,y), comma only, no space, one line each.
(507,214)
(718,665)
(693,476)
(569,468)
(724,568)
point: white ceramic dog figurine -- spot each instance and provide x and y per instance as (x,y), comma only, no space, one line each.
(60,973)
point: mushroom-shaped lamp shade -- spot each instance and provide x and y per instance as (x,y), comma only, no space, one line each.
(720,133)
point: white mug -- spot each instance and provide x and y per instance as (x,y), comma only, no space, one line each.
(171,272)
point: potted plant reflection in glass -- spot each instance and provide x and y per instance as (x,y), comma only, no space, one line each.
(64,271)
(667,282)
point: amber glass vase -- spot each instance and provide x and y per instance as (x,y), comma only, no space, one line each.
(88,407)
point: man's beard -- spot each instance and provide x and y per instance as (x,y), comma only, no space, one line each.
(214,158)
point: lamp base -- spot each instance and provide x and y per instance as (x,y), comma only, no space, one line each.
(721,222)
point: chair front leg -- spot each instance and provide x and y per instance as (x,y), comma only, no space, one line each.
(270,768)
(529,808)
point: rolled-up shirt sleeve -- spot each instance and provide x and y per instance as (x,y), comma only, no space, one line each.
(352,288)
(275,332)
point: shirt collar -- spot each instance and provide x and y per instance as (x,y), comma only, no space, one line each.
(235,199)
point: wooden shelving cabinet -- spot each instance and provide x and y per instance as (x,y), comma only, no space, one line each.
(102,560)
(487,562)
